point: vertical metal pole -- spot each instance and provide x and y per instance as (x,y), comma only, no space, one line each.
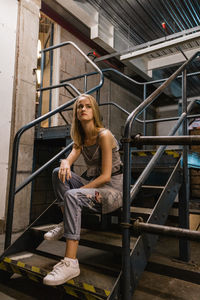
(41,84)
(51,71)
(184,246)
(85,83)
(144,112)
(98,96)
(11,197)
(126,262)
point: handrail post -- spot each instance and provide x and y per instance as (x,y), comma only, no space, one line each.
(41,84)
(12,190)
(144,112)
(10,209)
(184,245)
(98,96)
(51,71)
(126,262)
(85,83)
(126,187)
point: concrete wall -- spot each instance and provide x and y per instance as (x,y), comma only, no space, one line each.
(73,64)
(163,128)
(21,19)
(8,26)
(165,112)
(24,110)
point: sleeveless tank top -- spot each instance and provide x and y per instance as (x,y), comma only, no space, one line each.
(92,158)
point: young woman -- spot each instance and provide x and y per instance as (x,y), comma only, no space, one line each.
(100,189)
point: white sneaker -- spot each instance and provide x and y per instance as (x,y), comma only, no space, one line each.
(55,233)
(65,270)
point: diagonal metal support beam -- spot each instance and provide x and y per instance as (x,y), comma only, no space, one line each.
(146,242)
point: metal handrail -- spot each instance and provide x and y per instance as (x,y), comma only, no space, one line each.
(138,83)
(143,176)
(149,100)
(82,53)
(109,103)
(15,151)
(147,121)
(51,87)
(125,76)
(126,266)
(44,167)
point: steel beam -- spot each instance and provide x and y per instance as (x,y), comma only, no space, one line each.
(160,46)
(150,43)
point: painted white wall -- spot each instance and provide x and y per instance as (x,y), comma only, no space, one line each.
(8,25)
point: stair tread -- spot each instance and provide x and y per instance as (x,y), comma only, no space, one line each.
(145,210)
(172,262)
(142,210)
(40,266)
(108,238)
(160,187)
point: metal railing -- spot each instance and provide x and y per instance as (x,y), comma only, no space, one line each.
(127,195)
(142,84)
(12,188)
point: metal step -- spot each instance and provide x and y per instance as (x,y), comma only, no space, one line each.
(156,187)
(90,284)
(148,211)
(104,240)
(165,165)
(159,215)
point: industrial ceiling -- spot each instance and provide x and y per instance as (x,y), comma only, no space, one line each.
(141,20)
(159,30)
(154,22)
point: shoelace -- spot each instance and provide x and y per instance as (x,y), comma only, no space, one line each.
(56,268)
(56,229)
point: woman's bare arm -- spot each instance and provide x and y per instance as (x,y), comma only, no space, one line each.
(65,166)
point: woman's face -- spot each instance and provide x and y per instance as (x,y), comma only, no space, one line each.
(84,110)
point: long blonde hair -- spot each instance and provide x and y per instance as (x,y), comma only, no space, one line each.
(77,132)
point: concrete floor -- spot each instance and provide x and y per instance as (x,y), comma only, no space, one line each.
(153,285)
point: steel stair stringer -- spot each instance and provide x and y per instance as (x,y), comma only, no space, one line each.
(29,240)
(146,242)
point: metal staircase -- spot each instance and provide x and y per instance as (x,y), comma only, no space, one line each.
(112,257)
(100,260)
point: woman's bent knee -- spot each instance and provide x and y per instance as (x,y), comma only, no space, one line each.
(55,172)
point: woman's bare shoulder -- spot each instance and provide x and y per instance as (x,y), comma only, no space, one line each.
(106,135)
(104,132)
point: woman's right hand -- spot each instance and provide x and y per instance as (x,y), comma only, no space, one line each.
(64,171)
